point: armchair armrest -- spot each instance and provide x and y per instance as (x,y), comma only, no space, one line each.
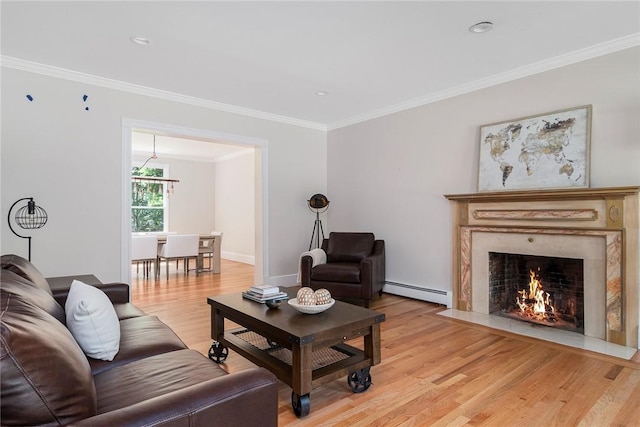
(306,264)
(118,293)
(246,398)
(372,270)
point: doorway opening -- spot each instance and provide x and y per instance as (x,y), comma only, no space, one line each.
(187,150)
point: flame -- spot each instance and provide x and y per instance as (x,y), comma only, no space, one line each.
(536,303)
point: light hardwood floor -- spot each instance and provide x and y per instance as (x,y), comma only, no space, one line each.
(435,371)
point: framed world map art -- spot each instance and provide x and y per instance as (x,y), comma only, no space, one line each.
(536,152)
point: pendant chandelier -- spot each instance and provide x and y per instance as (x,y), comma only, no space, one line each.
(168,182)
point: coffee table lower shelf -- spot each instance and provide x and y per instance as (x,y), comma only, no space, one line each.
(327,363)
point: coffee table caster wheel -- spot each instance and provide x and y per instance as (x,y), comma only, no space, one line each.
(359,381)
(218,353)
(301,404)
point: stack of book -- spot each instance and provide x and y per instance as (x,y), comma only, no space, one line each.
(264,293)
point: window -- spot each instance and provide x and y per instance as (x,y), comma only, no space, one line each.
(148,201)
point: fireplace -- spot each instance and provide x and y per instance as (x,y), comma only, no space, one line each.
(524,236)
(547,291)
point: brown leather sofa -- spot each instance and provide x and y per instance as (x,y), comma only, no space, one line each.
(355,267)
(153,380)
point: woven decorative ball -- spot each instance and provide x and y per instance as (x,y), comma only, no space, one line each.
(323,296)
(306,296)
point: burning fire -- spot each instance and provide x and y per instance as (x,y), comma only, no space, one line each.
(535,303)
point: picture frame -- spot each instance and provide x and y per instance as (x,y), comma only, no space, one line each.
(550,150)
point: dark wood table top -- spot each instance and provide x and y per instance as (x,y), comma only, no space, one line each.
(304,327)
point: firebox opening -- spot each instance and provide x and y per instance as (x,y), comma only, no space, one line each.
(542,290)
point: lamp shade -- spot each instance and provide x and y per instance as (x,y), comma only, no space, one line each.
(31,216)
(318,201)
(28,217)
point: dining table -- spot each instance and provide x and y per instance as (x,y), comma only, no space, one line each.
(208,240)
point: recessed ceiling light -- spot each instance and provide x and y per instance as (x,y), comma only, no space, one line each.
(481,27)
(322,93)
(142,41)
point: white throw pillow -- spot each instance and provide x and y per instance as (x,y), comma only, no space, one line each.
(92,321)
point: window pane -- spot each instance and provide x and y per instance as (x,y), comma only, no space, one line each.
(147,171)
(147,219)
(147,194)
(147,201)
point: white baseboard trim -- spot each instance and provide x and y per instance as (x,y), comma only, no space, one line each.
(437,296)
(422,293)
(232,256)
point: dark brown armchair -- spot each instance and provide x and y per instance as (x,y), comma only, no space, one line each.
(355,267)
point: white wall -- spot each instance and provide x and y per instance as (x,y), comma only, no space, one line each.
(235,207)
(389,175)
(386,175)
(71,161)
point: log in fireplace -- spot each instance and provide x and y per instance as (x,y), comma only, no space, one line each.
(542,290)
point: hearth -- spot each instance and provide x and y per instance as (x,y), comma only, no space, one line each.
(543,290)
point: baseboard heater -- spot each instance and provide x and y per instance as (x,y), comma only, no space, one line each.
(436,296)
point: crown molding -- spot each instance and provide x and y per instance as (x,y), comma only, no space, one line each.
(601,49)
(66,74)
(518,73)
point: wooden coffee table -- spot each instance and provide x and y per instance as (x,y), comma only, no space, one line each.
(302,350)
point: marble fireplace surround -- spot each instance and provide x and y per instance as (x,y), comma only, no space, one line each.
(600,251)
(599,226)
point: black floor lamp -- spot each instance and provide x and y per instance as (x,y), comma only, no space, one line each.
(28,217)
(319,204)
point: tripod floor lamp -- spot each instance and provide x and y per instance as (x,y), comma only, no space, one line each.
(28,217)
(319,204)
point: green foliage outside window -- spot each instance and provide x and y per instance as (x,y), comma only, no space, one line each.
(147,201)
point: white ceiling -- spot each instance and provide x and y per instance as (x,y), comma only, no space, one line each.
(270,58)
(143,144)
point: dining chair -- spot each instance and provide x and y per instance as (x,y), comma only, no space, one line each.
(179,246)
(144,248)
(210,248)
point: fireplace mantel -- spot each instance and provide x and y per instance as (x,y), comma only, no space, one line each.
(538,195)
(607,213)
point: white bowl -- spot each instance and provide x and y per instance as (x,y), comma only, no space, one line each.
(310,309)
